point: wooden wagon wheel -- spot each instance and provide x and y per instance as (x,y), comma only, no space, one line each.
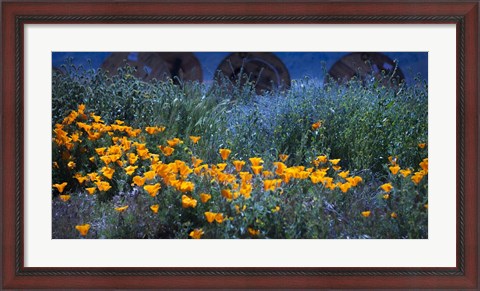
(365,65)
(264,69)
(158,65)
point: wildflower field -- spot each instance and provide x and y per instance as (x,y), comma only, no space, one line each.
(180,160)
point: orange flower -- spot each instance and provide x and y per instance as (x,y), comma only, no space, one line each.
(196,233)
(345,187)
(393,215)
(130,169)
(210,216)
(83,229)
(366,213)
(139,181)
(394,169)
(224,153)
(424,164)
(392,160)
(422,145)
(417,177)
(174,142)
(238,165)
(155,208)
(335,161)
(194,139)
(64,198)
(108,172)
(71,165)
(256,161)
(227,193)
(283,157)
(386,196)
(152,189)
(405,172)
(257,169)
(121,209)
(188,202)
(344,174)
(60,187)
(150,175)
(253,232)
(205,197)
(103,186)
(186,186)
(316,125)
(91,190)
(167,151)
(387,187)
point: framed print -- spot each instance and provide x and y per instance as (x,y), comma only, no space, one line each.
(215,144)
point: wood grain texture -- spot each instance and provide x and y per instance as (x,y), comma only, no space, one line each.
(464,14)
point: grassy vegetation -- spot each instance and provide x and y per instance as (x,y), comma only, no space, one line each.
(316,161)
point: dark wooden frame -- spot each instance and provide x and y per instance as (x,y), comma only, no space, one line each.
(462,13)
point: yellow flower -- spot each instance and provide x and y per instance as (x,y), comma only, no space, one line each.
(386,196)
(83,229)
(204,197)
(100,151)
(80,178)
(267,174)
(196,233)
(417,177)
(253,232)
(132,158)
(93,176)
(139,181)
(256,161)
(238,165)
(227,193)
(60,187)
(219,217)
(186,186)
(424,165)
(194,139)
(150,175)
(257,169)
(152,189)
(271,185)
(387,187)
(345,187)
(103,186)
(393,215)
(276,209)
(188,202)
(224,153)
(71,164)
(121,209)
(366,213)
(283,157)
(394,169)
(64,198)
(336,168)
(130,169)
(392,160)
(335,161)
(344,174)
(91,190)
(210,216)
(422,145)
(167,151)
(108,172)
(354,180)
(405,172)
(155,208)
(174,142)
(316,125)
(151,129)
